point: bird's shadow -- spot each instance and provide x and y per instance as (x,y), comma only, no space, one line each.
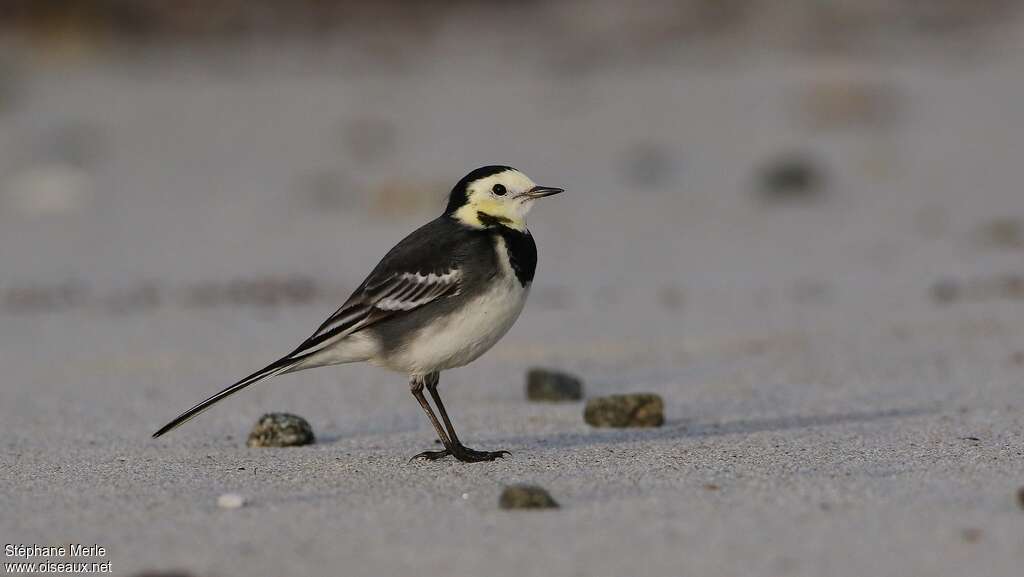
(338,435)
(696,430)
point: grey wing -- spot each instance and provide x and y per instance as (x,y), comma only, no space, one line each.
(378,299)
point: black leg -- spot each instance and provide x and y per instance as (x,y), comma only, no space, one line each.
(416,386)
(457,449)
(431,382)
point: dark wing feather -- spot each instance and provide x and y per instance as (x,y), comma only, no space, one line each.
(425,266)
(399,294)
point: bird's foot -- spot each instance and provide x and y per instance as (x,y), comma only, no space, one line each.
(467,455)
(464,454)
(431,455)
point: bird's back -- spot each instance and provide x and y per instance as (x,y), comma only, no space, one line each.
(436,248)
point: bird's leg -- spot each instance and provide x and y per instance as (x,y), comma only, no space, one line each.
(416,386)
(431,382)
(457,449)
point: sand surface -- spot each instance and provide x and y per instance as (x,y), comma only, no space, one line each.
(825,414)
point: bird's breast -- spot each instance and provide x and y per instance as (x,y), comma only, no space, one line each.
(476,319)
(464,333)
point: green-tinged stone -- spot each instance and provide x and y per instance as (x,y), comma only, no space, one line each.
(526,497)
(280,430)
(549,385)
(634,410)
(793,178)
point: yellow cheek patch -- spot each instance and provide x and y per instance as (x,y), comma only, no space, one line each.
(492,207)
(470,214)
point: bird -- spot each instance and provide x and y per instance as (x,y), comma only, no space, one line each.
(439,299)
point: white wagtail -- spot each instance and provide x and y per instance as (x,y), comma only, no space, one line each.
(439,299)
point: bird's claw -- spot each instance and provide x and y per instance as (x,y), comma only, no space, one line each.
(464,454)
(471,456)
(430,455)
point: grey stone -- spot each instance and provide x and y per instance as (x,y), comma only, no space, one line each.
(280,430)
(946,291)
(550,385)
(634,410)
(526,497)
(1003,233)
(793,178)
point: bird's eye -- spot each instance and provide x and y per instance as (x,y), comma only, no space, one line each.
(499,189)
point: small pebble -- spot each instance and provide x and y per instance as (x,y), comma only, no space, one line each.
(1020,497)
(1003,233)
(230,501)
(1006,286)
(849,102)
(280,430)
(807,291)
(792,178)
(1010,286)
(945,291)
(634,410)
(526,497)
(550,385)
(971,535)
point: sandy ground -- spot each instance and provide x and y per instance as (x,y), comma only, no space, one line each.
(825,414)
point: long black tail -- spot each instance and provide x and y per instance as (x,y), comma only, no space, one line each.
(274,368)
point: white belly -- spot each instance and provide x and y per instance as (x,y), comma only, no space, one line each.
(464,335)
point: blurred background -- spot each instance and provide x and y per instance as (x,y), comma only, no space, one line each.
(735,165)
(780,156)
(773,208)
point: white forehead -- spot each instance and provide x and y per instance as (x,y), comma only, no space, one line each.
(512,179)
